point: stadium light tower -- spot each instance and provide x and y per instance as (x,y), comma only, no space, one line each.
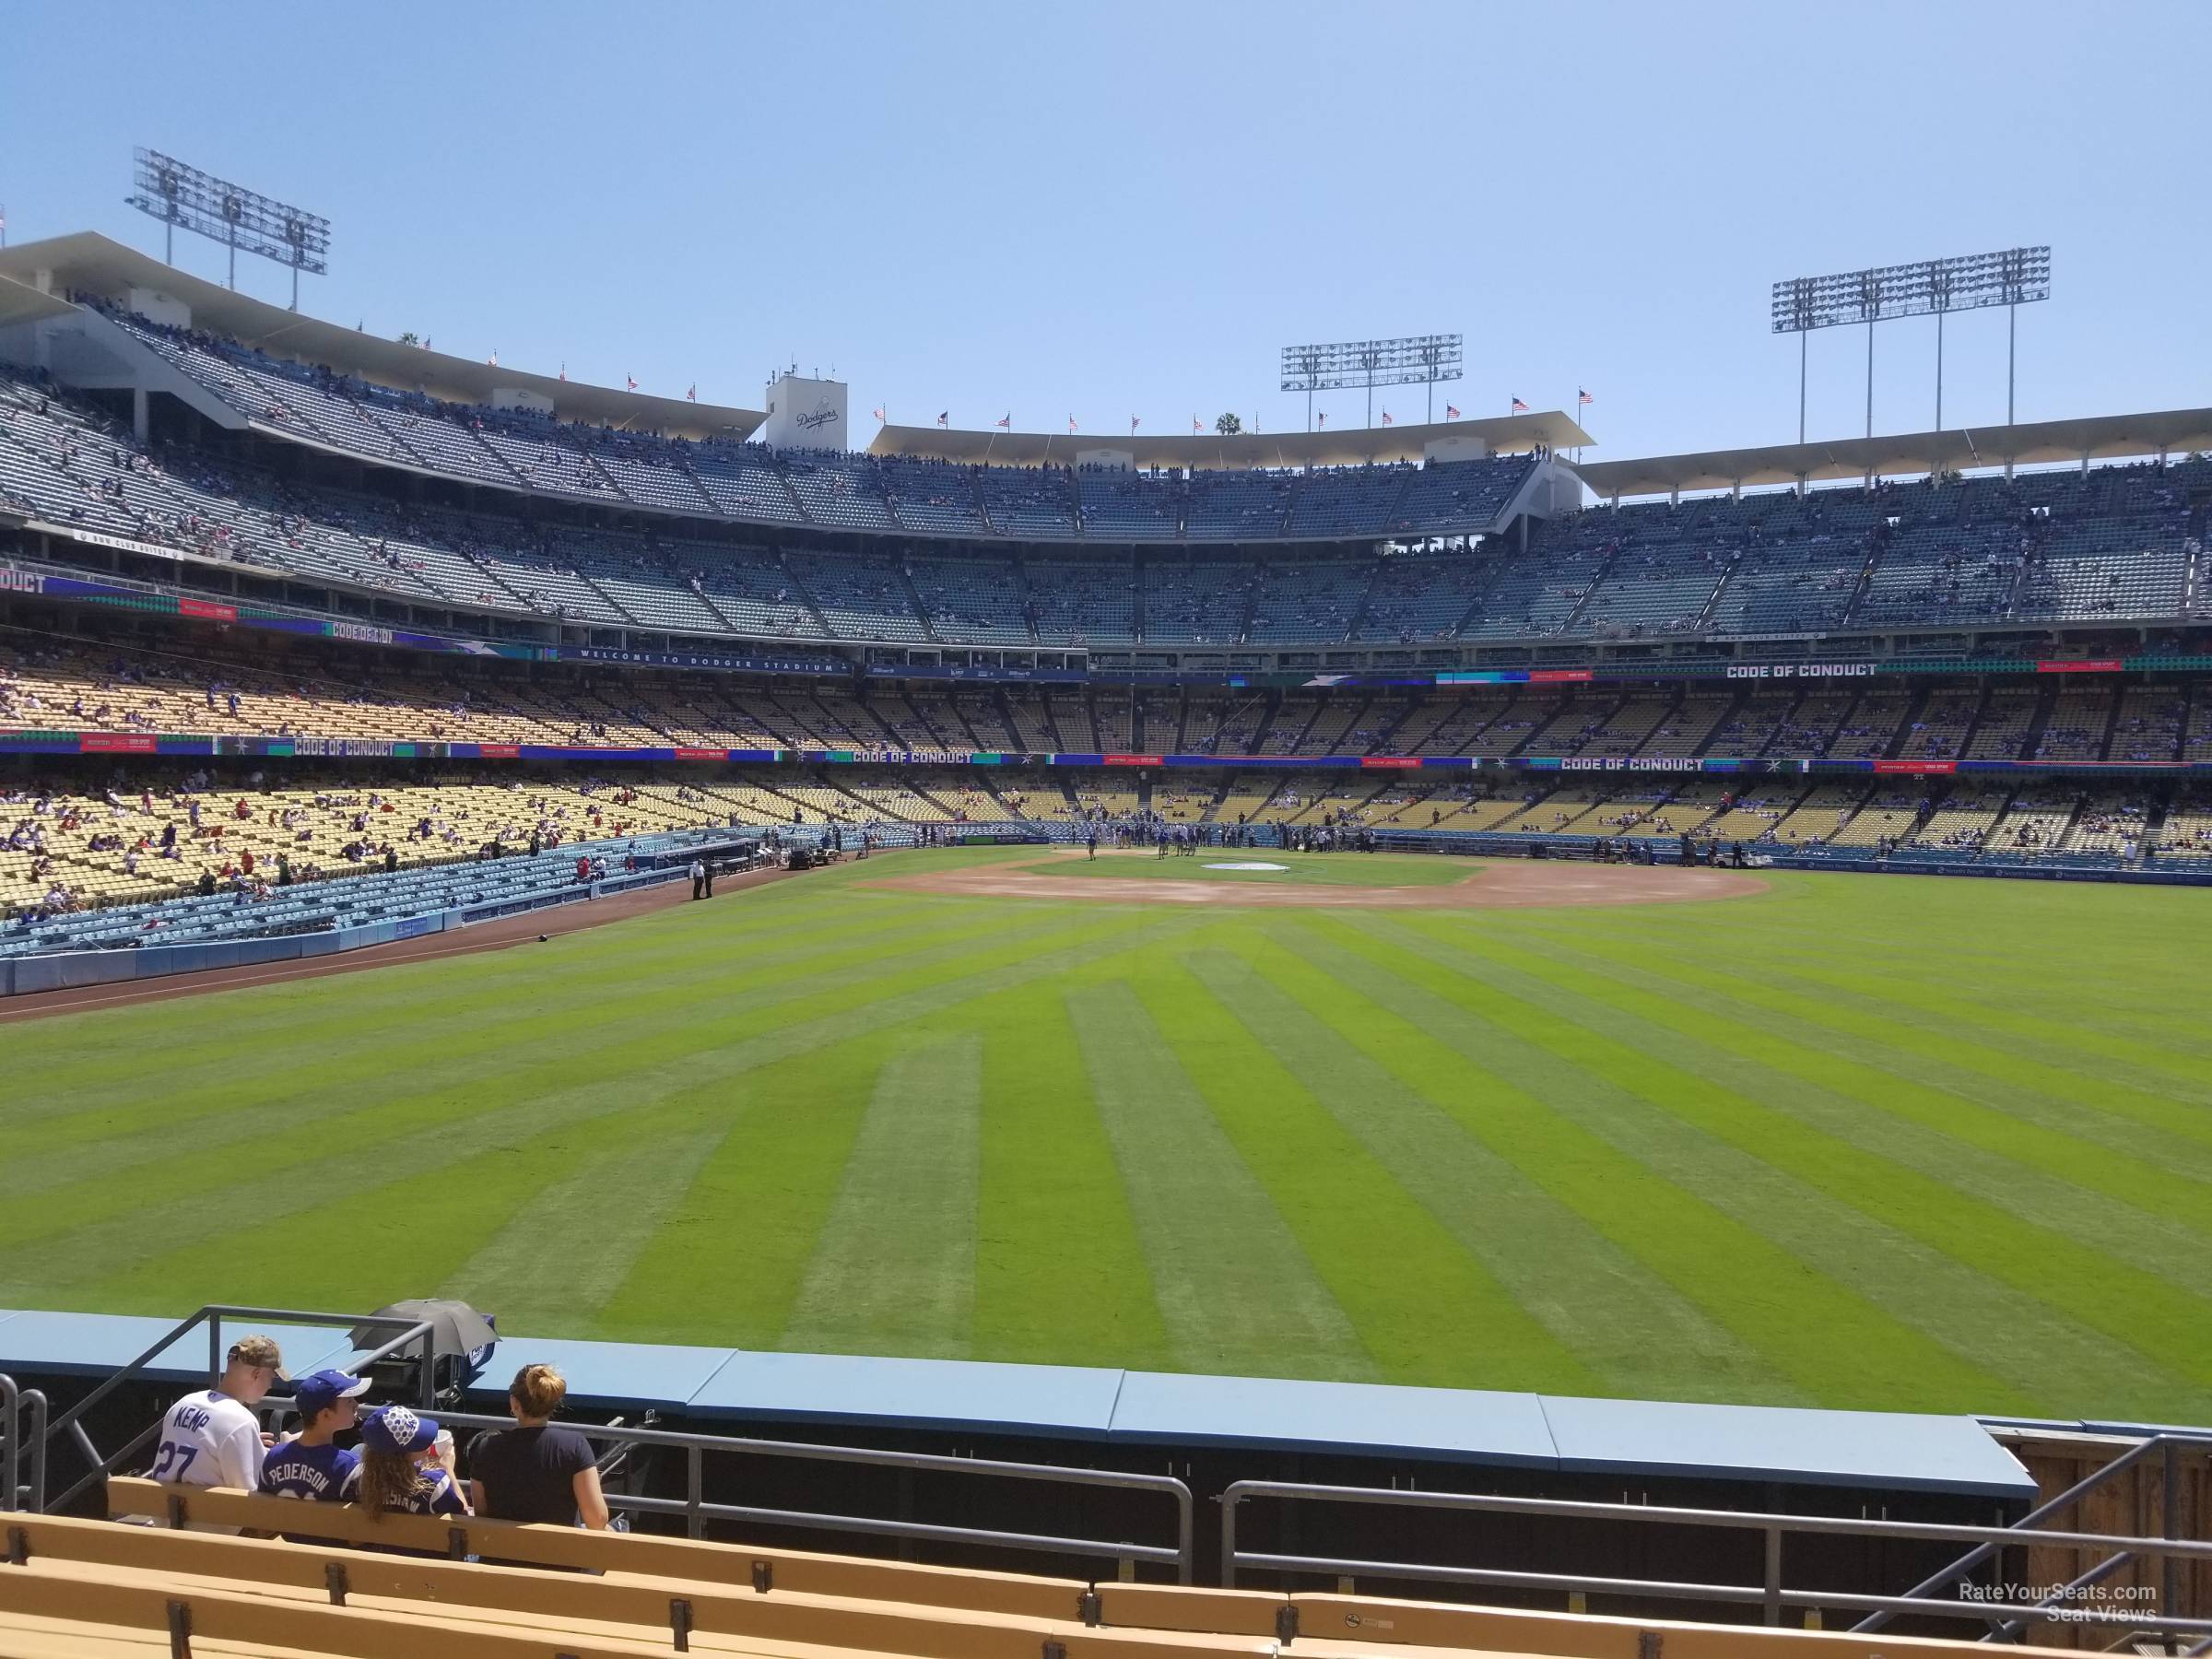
(1410,359)
(177,194)
(2011,277)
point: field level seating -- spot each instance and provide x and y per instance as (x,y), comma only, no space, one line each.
(72,1587)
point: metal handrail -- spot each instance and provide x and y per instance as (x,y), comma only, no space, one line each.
(14,1404)
(71,1421)
(2169,1445)
(1772,1596)
(697,1511)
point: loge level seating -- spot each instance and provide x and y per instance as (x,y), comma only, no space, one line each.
(85,1589)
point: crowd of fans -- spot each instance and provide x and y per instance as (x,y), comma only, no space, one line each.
(401,1461)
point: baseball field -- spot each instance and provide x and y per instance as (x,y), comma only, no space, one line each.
(1868,1141)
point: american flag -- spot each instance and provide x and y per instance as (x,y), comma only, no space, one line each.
(1584,398)
(1196,425)
(693,392)
(564,368)
(1520,407)
(1071,423)
(1005,421)
(879,412)
(1132,426)
(493,361)
(632,380)
(1450,411)
(1323,418)
(944,418)
(1386,418)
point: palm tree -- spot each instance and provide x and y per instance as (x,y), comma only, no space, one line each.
(1229,426)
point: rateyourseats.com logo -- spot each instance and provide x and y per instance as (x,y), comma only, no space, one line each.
(2063,1601)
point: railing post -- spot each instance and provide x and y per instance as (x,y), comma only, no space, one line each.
(1772,1604)
(1185,1543)
(1229,1499)
(34,1403)
(2170,1527)
(695,1470)
(11,1432)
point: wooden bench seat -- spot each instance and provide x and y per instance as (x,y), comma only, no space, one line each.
(568,1546)
(497,1605)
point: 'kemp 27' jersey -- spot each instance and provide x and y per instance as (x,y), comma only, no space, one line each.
(208,1439)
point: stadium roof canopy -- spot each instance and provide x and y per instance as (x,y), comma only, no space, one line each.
(2096,437)
(1357,446)
(19,302)
(90,262)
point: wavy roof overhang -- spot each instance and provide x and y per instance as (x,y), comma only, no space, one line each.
(90,262)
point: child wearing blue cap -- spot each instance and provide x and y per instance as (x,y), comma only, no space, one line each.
(406,1466)
(312,1465)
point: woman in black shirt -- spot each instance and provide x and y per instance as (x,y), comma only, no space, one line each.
(533,1472)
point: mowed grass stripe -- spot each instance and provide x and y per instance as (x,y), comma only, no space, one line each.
(1400,1276)
(680,1048)
(562,1255)
(1061,1275)
(453,1010)
(2039,1308)
(2071,1045)
(894,1265)
(2103,1107)
(753,1210)
(389,1243)
(1622,1323)
(1236,1293)
(565,974)
(1886,1047)
(739,1001)
(2114,994)
(1827,1337)
(2146,1214)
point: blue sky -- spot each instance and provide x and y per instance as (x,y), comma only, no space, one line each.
(1108,210)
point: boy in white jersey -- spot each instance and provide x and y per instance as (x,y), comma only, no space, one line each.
(212,1438)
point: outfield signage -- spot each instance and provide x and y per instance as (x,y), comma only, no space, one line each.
(1800,670)
(729,662)
(1644,763)
(191,744)
(96,538)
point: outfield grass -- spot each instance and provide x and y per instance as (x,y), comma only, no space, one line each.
(1866,1141)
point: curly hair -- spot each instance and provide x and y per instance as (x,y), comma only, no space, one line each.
(388,1480)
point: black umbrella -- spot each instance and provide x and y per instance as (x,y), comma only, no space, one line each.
(455,1327)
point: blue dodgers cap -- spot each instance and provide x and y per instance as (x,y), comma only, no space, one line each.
(319,1391)
(397,1428)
